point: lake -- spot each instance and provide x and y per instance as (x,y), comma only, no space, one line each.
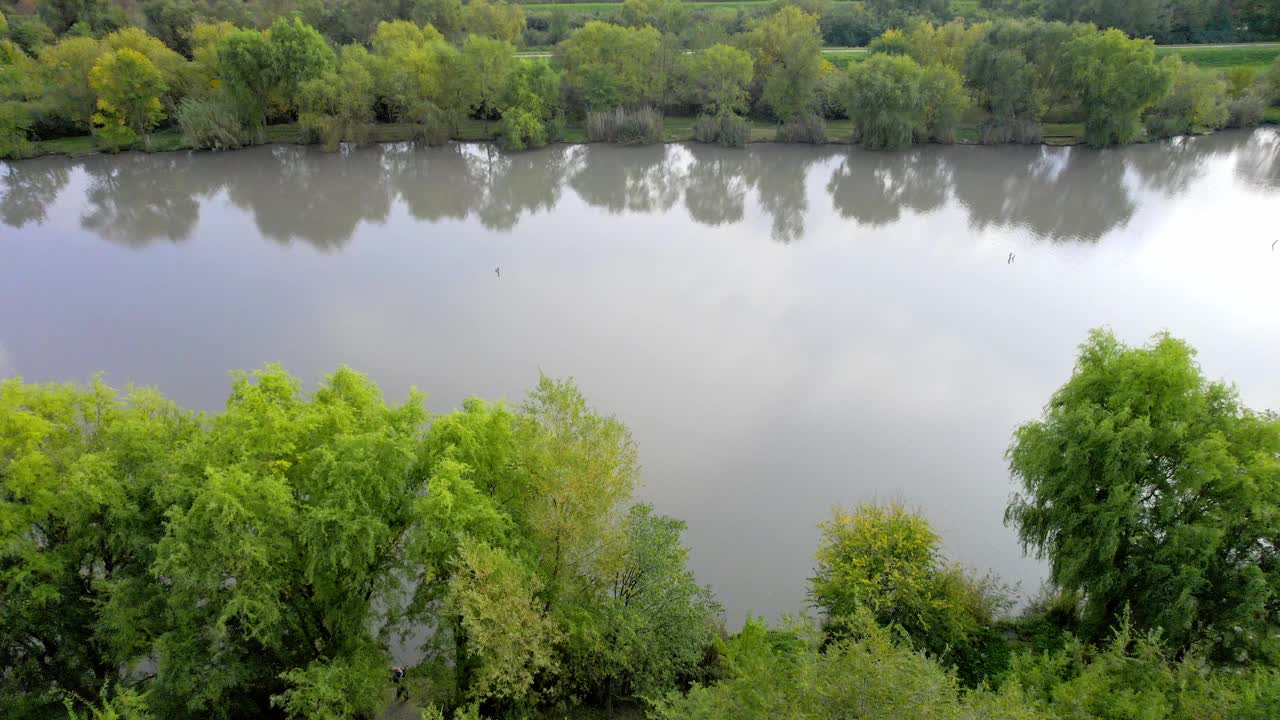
(784,328)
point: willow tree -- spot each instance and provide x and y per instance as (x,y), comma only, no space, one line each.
(1149,487)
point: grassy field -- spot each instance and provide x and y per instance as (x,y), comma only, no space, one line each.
(1257,56)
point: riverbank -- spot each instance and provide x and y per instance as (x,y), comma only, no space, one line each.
(675,130)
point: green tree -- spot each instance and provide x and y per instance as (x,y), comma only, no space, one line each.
(509,637)
(944,99)
(609,65)
(647,622)
(1196,102)
(246,62)
(886,561)
(719,79)
(1018,70)
(946,45)
(498,20)
(884,100)
(409,71)
(443,15)
(4,25)
(283,535)
(298,54)
(1148,486)
(891,42)
(79,471)
(174,69)
(529,101)
(665,15)
(337,105)
(787,50)
(1116,79)
(65,68)
(488,63)
(129,88)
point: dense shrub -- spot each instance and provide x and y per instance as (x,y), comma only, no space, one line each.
(886,561)
(208,123)
(630,127)
(804,129)
(1022,132)
(728,130)
(1246,110)
(1196,102)
(772,674)
(14,126)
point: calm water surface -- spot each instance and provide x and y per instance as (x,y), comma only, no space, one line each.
(783,328)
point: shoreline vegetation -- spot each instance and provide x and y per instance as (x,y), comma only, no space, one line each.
(654,71)
(159,563)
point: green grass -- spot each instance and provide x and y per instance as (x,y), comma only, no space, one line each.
(844,59)
(1223,58)
(1272,116)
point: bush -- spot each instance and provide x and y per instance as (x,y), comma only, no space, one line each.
(629,127)
(1022,132)
(15,123)
(804,129)
(727,130)
(1246,110)
(1197,102)
(210,124)
(886,561)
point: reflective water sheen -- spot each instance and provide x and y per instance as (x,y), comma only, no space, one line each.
(783,328)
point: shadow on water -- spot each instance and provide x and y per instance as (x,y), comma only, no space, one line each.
(301,194)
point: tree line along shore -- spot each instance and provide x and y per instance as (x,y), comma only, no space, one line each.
(278,558)
(649,77)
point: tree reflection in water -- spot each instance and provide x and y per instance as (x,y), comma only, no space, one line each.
(302,194)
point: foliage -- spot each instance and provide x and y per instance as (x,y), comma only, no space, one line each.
(129,88)
(337,105)
(122,703)
(78,524)
(944,101)
(529,102)
(883,98)
(886,561)
(727,130)
(891,42)
(642,126)
(804,129)
(719,79)
(508,635)
(946,45)
(1196,102)
(298,54)
(246,70)
(772,674)
(787,50)
(1116,79)
(210,123)
(609,65)
(1148,486)
(499,20)
(1129,676)
(68,94)
(1246,110)
(1017,69)
(647,623)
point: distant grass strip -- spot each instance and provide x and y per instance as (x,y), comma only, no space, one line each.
(1221,58)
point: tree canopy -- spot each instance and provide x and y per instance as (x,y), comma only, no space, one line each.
(1149,487)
